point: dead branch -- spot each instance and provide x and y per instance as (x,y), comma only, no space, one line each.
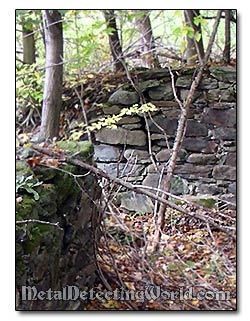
(163,200)
(182,128)
(40,222)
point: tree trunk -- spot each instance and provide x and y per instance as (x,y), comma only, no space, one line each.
(114,41)
(52,96)
(148,53)
(227,46)
(181,129)
(28,46)
(195,49)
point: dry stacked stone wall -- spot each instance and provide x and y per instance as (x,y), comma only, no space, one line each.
(206,163)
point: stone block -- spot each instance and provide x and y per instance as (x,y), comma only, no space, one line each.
(202,159)
(106,153)
(121,170)
(195,128)
(222,95)
(136,155)
(123,97)
(219,118)
(163,92)
(231,159)
(210,189)
(224,133)
(135,202)
(121,136)
(199,145)
(224,172)
(223,73)
(193,170)
(169,125)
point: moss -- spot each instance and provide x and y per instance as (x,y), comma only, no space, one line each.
(27,208)
(22,169)
(85,148)
(207,202)
(65,184)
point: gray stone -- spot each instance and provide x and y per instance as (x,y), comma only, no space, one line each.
(164,92)
(121,136)
(193,170)
(224,172)
(199,145)
(106,153)
(222,95)
(111,109)
(231,159)
(129,120)
(219,118)
(136,155)
(195,128)
(132,201)
(132,126)
(178,185)
(221,105)
(202,159)
(157,136)
(211,189)
(170,112)
(120,170)
(223,73)
(123,97)
(169,125)
(232,188)
(229,199)
(224,133)
(163,155)
(148,84)
(184,81)
(184,93)
(206,83)
(155,73)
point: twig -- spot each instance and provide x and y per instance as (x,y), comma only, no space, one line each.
(40,222)
(100,173)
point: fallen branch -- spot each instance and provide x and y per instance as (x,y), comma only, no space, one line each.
(180,133)
(40,222)
(99,173)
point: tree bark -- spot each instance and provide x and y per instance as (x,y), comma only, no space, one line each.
(195,49)
(114,41)
(148,54)
(29,50)
(227,46)
(52,96)
(181,129)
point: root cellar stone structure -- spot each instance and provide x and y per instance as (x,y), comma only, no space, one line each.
(206,163)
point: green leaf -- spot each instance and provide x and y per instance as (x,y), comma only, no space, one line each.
(190,263)
(197,36)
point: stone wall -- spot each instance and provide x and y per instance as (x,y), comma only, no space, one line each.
(207,160)
(50,257)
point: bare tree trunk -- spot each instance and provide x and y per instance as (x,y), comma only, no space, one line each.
(195,49)
(52,96)
(181,132)
(28,46)
(148,54)
(114,41)
(227,46)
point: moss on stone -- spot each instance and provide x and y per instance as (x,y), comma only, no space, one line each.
(84,149)
(207,202)
(26,209)
(22,169)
